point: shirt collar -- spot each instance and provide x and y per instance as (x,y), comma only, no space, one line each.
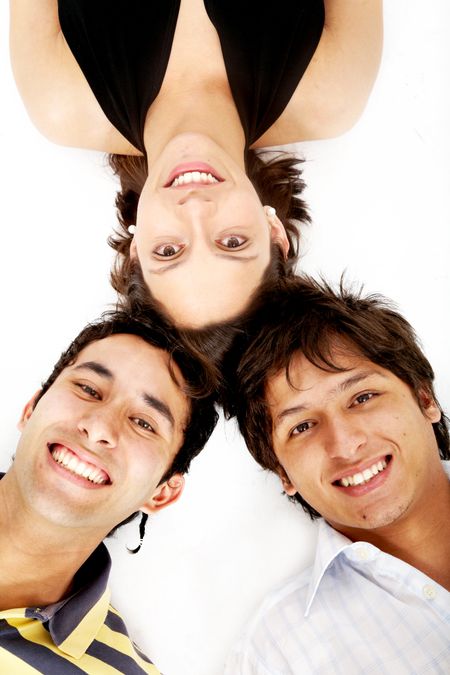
(73,623)
(330,544)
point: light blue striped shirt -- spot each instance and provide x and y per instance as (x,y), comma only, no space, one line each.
(356,610)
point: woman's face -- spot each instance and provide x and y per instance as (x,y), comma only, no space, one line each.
(202,235)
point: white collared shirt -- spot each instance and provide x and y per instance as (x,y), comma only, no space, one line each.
(356,610)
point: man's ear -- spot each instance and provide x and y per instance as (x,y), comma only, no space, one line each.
(278,234)
(288,487)
(27,411)
(429,406)
(165,494)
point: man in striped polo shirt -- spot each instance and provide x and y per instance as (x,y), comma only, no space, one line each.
(108,436)
(334,394)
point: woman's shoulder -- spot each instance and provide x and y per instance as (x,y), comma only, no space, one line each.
(55,92)
(335,87)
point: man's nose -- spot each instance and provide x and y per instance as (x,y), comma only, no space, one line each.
(345,437)
(99,428)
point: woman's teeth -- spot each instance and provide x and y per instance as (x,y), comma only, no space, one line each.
(194,177)
(363,476)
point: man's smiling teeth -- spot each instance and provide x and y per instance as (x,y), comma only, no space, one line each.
(69,461)
(193,177)
(363,476)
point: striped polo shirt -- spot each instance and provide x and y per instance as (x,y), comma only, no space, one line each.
(81,634)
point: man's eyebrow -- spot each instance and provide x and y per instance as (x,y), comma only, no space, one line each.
(149,399)
(97,368)
(226,256)
(160,406)
(355,379)
(342,386)
(287,412)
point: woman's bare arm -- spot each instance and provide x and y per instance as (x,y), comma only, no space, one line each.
(329,99)
(336,85)
(55,92)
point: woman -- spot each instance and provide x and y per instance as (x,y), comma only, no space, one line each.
(189,89)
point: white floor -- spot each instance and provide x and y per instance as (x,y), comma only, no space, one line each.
(380,201)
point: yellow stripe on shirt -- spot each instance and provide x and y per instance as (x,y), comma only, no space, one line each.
(81,637)
(12,665)
(123,644)
(33,631)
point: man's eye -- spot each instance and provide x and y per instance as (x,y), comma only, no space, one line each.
(232,241)
(168,250)
(89,390)
(143,424)
(301,428)
(363,398)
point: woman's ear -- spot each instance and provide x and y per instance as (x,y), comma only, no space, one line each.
(277,231)
(27,411)
(166,493)
(133,250)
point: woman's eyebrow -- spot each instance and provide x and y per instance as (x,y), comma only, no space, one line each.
(236,258)
(165,268)
(226,256)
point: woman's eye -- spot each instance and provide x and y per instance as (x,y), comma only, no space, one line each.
(168,250)
(89,391)
(232,241)
(301,428)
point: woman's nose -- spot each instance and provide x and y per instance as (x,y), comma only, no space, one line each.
(196,200)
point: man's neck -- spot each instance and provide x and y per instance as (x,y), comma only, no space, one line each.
(38,560)
(421,537)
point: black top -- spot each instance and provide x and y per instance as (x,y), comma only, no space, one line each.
(123,48)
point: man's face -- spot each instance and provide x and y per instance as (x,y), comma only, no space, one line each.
(97,444)
(355,444)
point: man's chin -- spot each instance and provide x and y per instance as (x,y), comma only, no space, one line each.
(371,519)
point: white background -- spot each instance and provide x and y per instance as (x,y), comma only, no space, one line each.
(379,198)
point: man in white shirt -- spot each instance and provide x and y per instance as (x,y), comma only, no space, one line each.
(334,394)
